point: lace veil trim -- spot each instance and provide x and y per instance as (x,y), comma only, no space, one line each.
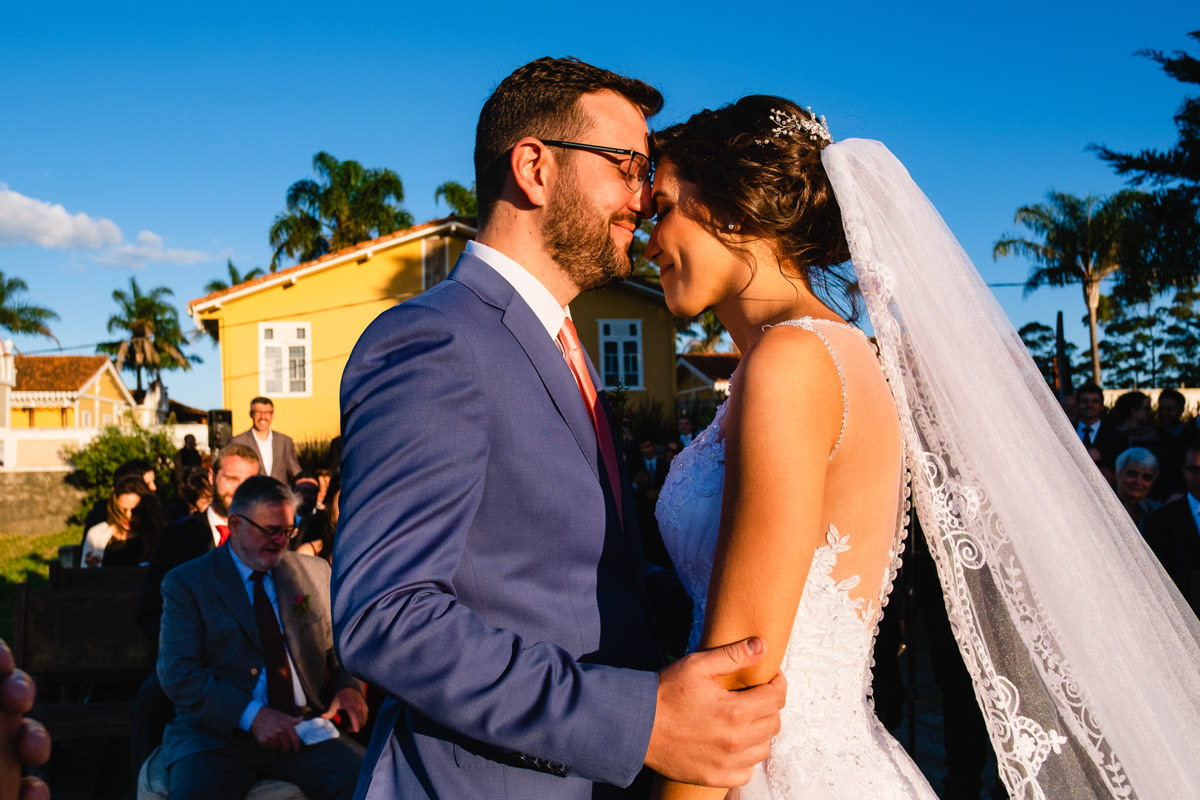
(1084,657)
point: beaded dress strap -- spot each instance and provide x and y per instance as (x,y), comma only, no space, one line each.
(808,324)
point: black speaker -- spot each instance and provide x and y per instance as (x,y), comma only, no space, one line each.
(220,428)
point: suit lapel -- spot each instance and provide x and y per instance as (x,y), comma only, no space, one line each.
(290,595)
(541,350)
(231,593)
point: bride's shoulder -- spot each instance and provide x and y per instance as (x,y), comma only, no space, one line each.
(792,362)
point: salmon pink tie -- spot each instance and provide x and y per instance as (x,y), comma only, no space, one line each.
(223,530)
(573,352)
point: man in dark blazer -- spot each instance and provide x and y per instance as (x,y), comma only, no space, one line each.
(193,536)
(1173,534)
(1096,431)
(276,450)
(487,570)
(246,654)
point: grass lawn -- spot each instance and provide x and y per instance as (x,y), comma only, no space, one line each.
(27,558)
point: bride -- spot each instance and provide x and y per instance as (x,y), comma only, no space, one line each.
(785,516)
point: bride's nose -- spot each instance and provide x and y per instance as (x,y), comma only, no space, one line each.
(653,251)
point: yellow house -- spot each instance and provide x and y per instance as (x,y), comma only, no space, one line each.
(287,335)
(66,392)
(50,402)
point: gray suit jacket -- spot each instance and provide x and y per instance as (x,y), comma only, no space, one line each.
(284,464)
(210,654)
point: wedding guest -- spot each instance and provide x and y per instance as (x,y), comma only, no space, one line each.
(1095,430)
(318,529)
(137,467)
(276,450)
(127,495)
(1174,438)
(1131,416)
(186,458)
(649,470)
(1173,533)
(687,431)
(308,491)
(240,700)
(1136,470)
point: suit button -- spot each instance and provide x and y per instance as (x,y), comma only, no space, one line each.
(254,670)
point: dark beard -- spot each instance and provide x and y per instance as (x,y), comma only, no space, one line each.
(580,242)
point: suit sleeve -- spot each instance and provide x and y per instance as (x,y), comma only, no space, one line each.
(182,669)
(293,464)
(414,405)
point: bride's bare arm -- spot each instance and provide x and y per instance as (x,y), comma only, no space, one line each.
(783,420)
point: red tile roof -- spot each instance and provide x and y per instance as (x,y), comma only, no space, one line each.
(55,373)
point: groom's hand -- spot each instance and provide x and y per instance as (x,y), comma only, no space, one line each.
(705,734)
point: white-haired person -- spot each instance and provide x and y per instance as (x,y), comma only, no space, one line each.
(1137,469)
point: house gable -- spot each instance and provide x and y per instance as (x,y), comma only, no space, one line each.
(288,335)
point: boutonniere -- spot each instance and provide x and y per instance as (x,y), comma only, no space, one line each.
(300,605)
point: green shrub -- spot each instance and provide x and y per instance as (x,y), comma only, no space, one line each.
(96,462)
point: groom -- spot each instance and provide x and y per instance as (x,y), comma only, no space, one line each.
(487,572)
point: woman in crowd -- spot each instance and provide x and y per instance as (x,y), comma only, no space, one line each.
(118,533)
(1137,469)
(1131,416)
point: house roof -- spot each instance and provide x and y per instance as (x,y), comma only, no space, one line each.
(714,366)
(291,274)
(56,373)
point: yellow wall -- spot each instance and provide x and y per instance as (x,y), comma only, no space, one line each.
(658,336)
(338,302)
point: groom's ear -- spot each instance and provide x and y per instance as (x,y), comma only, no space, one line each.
(534,169)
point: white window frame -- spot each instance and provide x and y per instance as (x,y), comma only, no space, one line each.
(620,339)
(85,418)
(288,334)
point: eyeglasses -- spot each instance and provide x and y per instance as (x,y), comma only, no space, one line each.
(272,533)
(636,168)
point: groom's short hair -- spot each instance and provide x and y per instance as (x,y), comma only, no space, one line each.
(541,99)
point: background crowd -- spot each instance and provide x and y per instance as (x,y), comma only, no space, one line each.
(1149,453)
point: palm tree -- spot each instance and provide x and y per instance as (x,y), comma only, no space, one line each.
(706,332)
(462,201)
(235,277)
(18,316)
(153,339)
(348,205)
(1076,241)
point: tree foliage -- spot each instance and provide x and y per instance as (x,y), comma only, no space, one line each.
(96,462)
(152,340)
(1074,240)
(20,316)
(235,277)
(347,204)
(1165,252)
(462,201)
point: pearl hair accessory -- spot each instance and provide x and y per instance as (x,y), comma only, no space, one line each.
(789,124)
(731,226)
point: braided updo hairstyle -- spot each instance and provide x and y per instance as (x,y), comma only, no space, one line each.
(769,185)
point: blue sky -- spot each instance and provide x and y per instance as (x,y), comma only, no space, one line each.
(156,140)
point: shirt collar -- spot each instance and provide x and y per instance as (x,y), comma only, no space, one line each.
(213,521)
(242,569)
(535,295)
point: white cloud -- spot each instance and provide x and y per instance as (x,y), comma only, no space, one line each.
(26,220)
(148,249)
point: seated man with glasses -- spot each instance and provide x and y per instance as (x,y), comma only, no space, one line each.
(245,649)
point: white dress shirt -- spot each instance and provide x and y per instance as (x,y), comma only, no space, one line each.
(266,449)
(535,295)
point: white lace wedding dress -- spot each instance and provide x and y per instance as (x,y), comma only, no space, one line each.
(831,745)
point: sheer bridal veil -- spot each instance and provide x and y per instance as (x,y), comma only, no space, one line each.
(1085,658)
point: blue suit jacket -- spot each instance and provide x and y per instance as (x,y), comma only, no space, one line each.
(481,576)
